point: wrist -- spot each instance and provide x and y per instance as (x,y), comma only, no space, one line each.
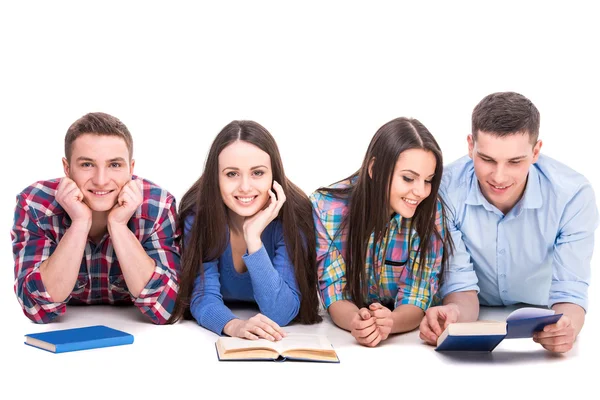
(81,225)
(253,245)
(231,328)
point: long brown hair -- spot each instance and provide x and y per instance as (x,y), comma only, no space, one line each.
(208,238)
(369,200)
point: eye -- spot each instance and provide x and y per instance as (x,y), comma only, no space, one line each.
(487,160)
(515,162)
(407,179)
(85,165)
(115,165)
(231,174)
(259,172)
(428,182)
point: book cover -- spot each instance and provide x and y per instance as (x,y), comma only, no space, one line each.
(487,335)
(90,337)
(294,347)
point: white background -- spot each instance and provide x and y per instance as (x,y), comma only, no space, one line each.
(322,77)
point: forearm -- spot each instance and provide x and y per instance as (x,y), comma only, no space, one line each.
(136,265)
(342,312)
(59,272)
(467,303)
(274,296)
(575,313)
(406,317)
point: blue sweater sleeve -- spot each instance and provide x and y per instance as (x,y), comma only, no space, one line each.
(207,304)
(274,282)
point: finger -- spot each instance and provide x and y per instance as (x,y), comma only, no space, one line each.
(427,334)
(373,339)
(554,340)
(382,313)
(73,192)
(433,321)
(267,328)
(375,306)
(384,322)
(364,314)
(362,333)
(250,335)
(559,349)
(364,324)
(280,194)
(272,324)
(559,325)
(258,331)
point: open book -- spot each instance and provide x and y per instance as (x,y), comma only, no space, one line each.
(486,335)
(295,346)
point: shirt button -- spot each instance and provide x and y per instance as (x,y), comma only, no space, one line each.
(504,291)
(501,251)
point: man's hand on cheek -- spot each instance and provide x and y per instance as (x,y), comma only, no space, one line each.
(129,199)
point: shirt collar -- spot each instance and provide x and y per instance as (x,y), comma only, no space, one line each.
(532,198)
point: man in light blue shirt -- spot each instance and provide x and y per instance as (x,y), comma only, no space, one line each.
(522,224)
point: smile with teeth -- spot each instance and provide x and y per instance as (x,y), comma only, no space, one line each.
(100,192)
(245,200)
(499,187)
(411,202)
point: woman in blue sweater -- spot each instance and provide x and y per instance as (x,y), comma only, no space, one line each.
(248,235)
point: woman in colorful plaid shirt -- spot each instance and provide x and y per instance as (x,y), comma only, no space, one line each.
(381,239)
(247,235)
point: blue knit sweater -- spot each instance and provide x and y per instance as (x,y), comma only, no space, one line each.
(270,282)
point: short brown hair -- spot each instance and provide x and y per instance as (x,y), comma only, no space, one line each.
(506,113)
(97,123)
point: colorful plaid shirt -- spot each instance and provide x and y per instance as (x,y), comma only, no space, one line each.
(39,224)
(393,272)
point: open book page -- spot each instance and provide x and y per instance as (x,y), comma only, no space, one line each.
(303,341)
(235,343)
(529,312)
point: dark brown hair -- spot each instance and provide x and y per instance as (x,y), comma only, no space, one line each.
(506,113)
(208,238)
(97,123)
(369,200)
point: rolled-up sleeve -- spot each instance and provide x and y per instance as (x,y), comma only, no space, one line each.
(573,250)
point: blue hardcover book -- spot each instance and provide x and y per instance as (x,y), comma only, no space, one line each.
(486,335)
(89,337)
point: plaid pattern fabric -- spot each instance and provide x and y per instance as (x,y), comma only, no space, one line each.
(391,266)
(39,224)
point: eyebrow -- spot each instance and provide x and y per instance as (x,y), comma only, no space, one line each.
(121,159)
(414,173)
(253,168)
(492,158)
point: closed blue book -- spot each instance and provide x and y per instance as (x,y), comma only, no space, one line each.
(89,337)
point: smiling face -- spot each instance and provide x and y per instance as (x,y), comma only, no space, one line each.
(100,167)
(502,166)
(411,181)
(245,177)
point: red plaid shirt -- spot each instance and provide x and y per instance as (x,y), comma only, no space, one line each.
(39,224)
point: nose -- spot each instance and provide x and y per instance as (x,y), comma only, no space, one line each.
(101,177)
(419,188)
(245,184)
(498,174)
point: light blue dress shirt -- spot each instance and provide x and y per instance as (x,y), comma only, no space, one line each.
(538,253)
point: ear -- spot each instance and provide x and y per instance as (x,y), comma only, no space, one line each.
(370,168)
(131,167)
(66,167)
(471,143)
(536,151)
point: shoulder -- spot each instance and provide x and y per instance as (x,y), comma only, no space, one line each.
(456,181)
(155,200)
(325,202)
(39,199)
(562,181)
